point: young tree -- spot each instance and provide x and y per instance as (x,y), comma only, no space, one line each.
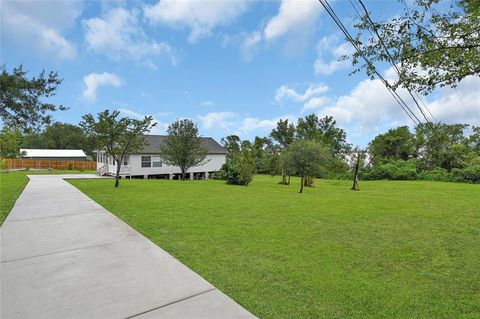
(284,135)
(119,136)
(305,158)
(358,154)
(10,142)
(183,147)
(244,162)
(429,35)
(21,98)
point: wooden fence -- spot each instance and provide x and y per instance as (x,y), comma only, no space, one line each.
(46,164)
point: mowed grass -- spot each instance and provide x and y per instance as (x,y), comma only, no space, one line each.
(395,249)
(12,184)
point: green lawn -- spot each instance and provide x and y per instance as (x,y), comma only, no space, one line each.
(396,249)
(392,250)
(12,184)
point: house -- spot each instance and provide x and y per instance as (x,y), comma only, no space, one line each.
(148,164)
(53,154)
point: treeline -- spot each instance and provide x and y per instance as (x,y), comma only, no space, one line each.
(432,152)
(56,136)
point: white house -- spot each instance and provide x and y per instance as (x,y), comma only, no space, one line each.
(148,164)
(53,154)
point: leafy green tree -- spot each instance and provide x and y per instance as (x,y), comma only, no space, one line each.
(432,44)
(21,98)
(183,147)
(244,162)
(305,158)
(231,143)
(443,145)
(474,140)
(283,135)
(118,136)
(10,142)
(396,144)
(324,130)
(260,148)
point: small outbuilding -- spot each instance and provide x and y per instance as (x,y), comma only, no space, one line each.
(53,154)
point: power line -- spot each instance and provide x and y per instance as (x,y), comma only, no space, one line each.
(392,61)
(395,95)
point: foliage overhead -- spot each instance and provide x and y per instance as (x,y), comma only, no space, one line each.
(433,43)
(22,103)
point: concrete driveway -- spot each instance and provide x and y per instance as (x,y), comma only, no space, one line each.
(65,256)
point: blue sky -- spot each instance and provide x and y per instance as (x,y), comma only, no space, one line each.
(234,67)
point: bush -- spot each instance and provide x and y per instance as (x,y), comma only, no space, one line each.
(436,174)
(3,164)
(470,174)
(70,166)
(394,170)
(230,173)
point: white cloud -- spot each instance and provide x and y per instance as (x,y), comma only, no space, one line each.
(160,128)
(201,17)
(222,120)
(294,16)
(118,35)
(329,47)
(249,45)
(93,81)
(37,25)
(458,106)
(234,123)
(207,103)
(285,92)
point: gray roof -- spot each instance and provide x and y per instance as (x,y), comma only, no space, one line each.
(153,143)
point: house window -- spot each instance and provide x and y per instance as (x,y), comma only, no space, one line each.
(125,160)
(156,162)
(146,161)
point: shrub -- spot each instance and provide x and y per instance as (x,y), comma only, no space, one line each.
(470,174)
(394,170)
(3,164)
(436,174)
(70,166)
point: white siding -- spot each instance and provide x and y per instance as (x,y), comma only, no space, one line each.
(213,163)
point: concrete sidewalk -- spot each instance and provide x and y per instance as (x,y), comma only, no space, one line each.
(65,256)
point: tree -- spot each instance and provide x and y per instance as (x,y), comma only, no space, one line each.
(324,130)
(118,136)
(431,44)
(305,158)
(21,99)
(183,147)
(61,136)
(231,143)
(284,135)
(396,144)
(10,142)
(244,162)
(359,154)
(443,145)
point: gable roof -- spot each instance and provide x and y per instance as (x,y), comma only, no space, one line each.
(35,152)
(153,143)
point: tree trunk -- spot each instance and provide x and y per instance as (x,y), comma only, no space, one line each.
(355,186)
(301,184)
(284,177)
(183,173)
(117,175)
(288,183)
